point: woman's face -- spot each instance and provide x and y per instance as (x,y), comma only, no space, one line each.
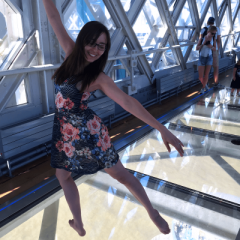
(96,50)
(211,34)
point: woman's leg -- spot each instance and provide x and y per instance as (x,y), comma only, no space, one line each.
(119,173)
(200,73)
(206,74)
(73,199)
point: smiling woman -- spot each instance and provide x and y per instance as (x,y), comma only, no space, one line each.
(80,140)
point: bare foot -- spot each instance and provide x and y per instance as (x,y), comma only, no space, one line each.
(81,231)
(161,224)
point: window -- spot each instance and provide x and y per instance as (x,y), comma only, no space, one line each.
(149,28)
(20,96)
(10,30)
(80,12)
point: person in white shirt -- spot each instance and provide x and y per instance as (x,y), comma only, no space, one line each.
(210,22)
(205,47)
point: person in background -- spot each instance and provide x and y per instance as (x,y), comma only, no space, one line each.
(235,84)
(215,53)
(205,46)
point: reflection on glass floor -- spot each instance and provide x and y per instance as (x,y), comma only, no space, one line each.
(110,212)
(217,112)
(197,194)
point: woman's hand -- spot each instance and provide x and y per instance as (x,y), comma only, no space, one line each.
(234,78)
(213,48)
(169,138)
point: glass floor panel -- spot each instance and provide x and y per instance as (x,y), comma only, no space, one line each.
(197,194)
(211,161)
(109,211)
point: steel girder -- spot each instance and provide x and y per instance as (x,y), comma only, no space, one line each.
(223,10)
(175,15)
(215,12)
(196,21)
(24,56)
(173,40)
(236,13)
(126,23)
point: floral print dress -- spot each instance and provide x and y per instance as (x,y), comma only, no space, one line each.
(80,140)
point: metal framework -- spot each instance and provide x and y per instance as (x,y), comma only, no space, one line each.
(38,53)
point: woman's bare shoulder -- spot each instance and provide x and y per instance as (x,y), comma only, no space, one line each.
(103,79)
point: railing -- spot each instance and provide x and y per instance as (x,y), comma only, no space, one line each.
(135,54)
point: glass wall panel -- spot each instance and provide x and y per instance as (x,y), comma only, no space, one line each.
(208,15)
(185,17)
(20,96)
(236,24)
(234,4)
(194,55)
(219,2)
(184,34)
(121,67)
(225,27)
(167,60)
(171,4)
(10,32)
(235,38)
(127,4)
(201,4)
(229,45)
(82,12)
(149,27)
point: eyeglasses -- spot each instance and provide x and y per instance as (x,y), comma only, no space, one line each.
(212,34)
(101,47)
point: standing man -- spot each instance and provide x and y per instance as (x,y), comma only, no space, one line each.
(210,22)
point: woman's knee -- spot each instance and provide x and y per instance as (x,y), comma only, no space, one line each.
(122,177)
(62,175)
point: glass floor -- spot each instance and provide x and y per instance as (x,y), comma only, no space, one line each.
(198,194)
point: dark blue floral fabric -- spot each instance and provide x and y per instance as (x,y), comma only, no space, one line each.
(80,140)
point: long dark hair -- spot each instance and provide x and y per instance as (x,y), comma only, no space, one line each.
(75,62)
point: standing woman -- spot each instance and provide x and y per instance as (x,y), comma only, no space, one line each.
(80,141)
(205,47)
(235,84)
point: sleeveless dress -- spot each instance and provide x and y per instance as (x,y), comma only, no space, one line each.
(80,141)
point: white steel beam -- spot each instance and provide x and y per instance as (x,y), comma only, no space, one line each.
(164,12)
(222,11)
(129,32)
(119,37)
(217,22)
(196,21)
(47,67)
(236,13)
(8,85)
(50,53)
(172,18)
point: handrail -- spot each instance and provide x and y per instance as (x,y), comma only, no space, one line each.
(52,67)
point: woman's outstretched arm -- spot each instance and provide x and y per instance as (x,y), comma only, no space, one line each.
(130,104)
(55,20)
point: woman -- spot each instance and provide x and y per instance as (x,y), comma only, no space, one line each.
(235,84)
(205,47)
(80,140)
